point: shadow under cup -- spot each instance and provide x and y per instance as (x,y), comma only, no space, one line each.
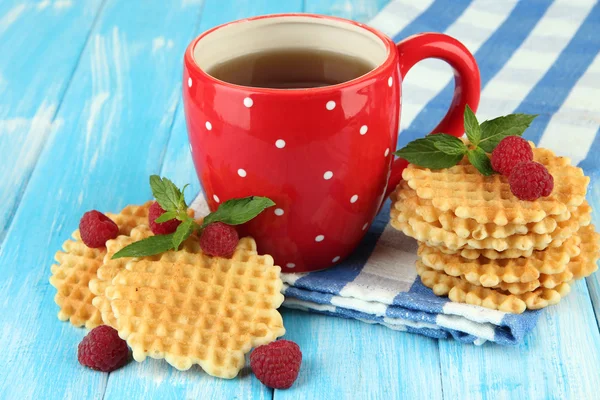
(323,154)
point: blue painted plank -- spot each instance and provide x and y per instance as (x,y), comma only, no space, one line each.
(593,281)
(559,360)
(153,378)
(116,117)
(40,45)
(349,359)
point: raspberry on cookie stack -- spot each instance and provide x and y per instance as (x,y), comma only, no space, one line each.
(508,242)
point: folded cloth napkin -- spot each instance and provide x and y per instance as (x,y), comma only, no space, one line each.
(535,57)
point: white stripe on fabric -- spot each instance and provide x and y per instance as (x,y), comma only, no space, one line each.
(389,270)
(290,279)
(367,307)
(405,322)
(475,314)
(397,14)
(307,305)
(429,77)
(529,63)
(482,331)
(575,124)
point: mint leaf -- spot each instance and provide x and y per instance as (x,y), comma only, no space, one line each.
(147,247)
(182,204)
(169,215)
(184,230)
(472,126)
(481,161)
(165,192)
(494,130)
(424,153)
(450,145)
(238,211)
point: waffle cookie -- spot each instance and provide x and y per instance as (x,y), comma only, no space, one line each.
(110,268)
(461,291)
(491,273)
(189,308)
(470,195)
(77,264)
(434,234)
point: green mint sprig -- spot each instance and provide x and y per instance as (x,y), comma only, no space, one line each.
(172,200)
(444,151)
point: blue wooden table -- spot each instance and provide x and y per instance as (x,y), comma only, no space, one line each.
(90,106)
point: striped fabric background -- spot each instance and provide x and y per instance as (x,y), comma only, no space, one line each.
(537,57)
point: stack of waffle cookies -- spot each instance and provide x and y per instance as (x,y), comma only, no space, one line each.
(183,306)
(479,244)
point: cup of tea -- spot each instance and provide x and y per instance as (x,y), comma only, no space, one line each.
(305,109)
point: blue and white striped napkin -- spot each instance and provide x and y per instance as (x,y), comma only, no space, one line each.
(537,57)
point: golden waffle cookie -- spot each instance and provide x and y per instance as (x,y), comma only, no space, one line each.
(111,268)
(586,263)
(468,194)
(491,273)
(461,291)
(435,235)
(189,308)
(471,229)
(77,264)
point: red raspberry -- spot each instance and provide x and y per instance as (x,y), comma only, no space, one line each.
(276,364)
(219,240)
(96,228)
(163,228)
(103,350)
(511,151)
(530,181)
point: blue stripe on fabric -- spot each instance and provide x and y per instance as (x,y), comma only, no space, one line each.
(437,18)
(491,57)
(515,327)
(552,90)
(591,162)
(334,279)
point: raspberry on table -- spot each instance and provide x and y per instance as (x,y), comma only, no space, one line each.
(219,240)
(276,364)
(96,228)
(530,181)
(163,228)
(103,350)
(511,151)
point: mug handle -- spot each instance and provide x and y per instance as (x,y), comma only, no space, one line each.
(467,83)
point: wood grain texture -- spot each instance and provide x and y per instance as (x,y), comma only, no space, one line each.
(40,44)
(117,116)
(348,359)
(558,360)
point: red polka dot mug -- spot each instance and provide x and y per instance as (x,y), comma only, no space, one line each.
(323,154)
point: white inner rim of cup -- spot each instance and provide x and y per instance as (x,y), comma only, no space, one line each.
(288,32)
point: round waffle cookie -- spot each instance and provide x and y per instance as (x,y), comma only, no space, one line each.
(468,228)
(434,234)
(77,264)
(491,273)
(110,268)
(470,195)
(189,308)
(461,291)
